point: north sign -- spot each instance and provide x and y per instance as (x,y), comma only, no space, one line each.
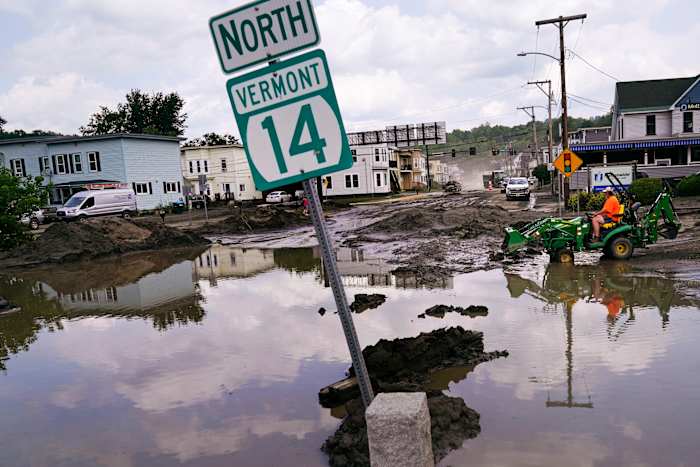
(263,31)
(289,121)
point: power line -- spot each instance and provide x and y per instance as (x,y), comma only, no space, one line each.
(591,100)
(593,66)
(593,106)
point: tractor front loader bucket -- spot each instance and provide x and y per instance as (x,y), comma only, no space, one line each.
(514,240)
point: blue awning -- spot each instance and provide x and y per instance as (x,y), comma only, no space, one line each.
(635,145)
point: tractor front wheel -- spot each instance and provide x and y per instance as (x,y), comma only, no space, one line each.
(563,255)
(620,248)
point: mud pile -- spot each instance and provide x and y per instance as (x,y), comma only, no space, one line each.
(364,302)
(439,311)
(405,365)
(256,219)
(64,241)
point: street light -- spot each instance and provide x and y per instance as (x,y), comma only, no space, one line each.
(523,54)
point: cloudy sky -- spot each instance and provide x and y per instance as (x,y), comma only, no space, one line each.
(392,61)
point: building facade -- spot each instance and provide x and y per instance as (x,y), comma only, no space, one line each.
(590,135)
(439,172)
(412,169)
(226,168)
(147,163)
(656,125)
(369,174)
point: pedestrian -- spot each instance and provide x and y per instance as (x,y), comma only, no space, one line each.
(306,206)
(162,214)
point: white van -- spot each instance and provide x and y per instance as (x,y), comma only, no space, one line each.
(92,203)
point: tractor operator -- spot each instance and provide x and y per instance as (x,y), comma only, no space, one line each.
(609,213)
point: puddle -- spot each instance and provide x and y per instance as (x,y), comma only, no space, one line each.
(215,358)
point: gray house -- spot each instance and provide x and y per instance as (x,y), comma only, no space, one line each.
(148,164)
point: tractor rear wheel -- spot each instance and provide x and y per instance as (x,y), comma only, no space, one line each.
(620,248)
(563,255)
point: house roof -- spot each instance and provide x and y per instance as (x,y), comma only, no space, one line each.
(74,138)
(655,94)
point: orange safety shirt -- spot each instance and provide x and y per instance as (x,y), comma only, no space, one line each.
(611,208)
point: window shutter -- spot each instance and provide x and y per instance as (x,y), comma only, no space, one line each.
(150,188)
(24,168)
(41,165)
(99,163)
(53,159)
(133,187)
(70,163)
(165,188)
(178,187)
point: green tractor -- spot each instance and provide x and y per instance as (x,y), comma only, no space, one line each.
(636,229)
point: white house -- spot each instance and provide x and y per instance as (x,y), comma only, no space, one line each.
(150,164)
(226,168)
(369,173)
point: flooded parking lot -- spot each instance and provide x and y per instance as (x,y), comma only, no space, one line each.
(216,357)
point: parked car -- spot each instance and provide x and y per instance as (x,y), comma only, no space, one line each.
(299,194)
(92,203)
(504,184)
(278,197)
(517,187)
(197,201)
(34,220)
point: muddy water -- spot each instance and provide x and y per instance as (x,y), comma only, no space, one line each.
(216,358)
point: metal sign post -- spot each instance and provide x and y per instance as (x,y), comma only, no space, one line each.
(289,120)
(331,269)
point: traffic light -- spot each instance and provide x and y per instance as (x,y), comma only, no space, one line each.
(567,162)
(472,151)
(454,152)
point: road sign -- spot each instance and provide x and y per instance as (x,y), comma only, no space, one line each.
(262,31)
(568,162)
(289,121)
(624,173)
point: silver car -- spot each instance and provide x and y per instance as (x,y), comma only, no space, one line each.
(33,220)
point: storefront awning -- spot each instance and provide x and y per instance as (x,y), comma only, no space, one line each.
(645,144)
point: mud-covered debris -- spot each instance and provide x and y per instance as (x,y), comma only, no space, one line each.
(439,311)
(451,423)
(71,241)
(321,311)
(422,275)
(364,302)
(257,219)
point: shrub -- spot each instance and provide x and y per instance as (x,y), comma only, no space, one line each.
(645,190)
(689,186)
(588,201)
(541,173)
(19,197)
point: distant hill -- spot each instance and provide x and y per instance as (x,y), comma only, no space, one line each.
(485,137)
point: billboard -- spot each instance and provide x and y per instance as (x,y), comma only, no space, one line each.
(402,136)
(599,181)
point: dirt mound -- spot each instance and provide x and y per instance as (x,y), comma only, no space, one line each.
(365,302)
(256,219)
(404,365)
(70,241)
(439,311)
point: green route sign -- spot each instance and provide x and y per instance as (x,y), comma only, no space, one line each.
(289,121)
(262,31)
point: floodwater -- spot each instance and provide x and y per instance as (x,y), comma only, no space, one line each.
(216,359)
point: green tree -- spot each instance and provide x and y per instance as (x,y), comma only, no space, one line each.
(19,197)
(541,173)
(155,114)
(211,139)
(2,123)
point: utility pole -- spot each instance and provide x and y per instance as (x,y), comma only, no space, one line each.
(530,111)
(561,23)
(550,136)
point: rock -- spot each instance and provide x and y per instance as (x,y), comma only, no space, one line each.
(398,430)
(365,302)
(439,311)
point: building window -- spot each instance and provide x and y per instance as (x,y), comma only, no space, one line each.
(44,165)
(94,162)
(384,177)
(170,187)
(241,187)
(379,179)
(206,167)
(18,168)
(355,181)
(376,155)
(61,165)
(227,188)
(111,294)
(348,181)
(77,163)
(199,166)
(329,183)
(695,156)
(191,167)
(224,168)
(141,188)
(651,125)
(687,122)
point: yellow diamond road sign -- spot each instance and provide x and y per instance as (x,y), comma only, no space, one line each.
(568,162)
